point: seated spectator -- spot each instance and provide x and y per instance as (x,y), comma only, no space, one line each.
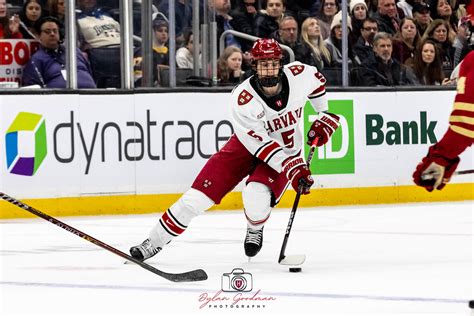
(9,26)
(99,36)
(47,67)
(313,50)
(327,11)
(223,20)
(287,34)
(405,41)
(184,55)
(267,21)
(56,8)
(229,66)
(183,16)
(358,13)
(334,42)
(441,9)
(160,51)
(438,31)
(29,14)
(426,64)
(464,41)
(243,21)
(383,70)
(421,15)
(363,48)
(300,9)
(387,17)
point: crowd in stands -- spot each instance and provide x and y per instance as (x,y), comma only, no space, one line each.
(391,42)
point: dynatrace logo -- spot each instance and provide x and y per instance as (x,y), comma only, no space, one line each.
(337,156)
(25,144)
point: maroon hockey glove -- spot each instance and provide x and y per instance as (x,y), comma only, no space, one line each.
(298,173)
(323,127)
(435,170)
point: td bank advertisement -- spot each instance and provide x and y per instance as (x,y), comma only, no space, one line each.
(75,145)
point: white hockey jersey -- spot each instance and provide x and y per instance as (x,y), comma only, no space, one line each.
(272,128)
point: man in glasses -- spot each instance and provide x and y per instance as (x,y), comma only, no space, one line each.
(363,48)
(47,67)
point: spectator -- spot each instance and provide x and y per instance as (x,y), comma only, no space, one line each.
(9,26)
(160,51)
(287,34)
(229,66)
(387,17)
(363,48)
(406,40)
(99,36)
(56,8)
(184,55)
(383,70)
(426,64)
(421,15)
(334,42)
(441,9)
(358,13)
(300,9)
(464,40)
(438,31)
(29,14)
(223,20)
(267,21)
(183,15)
(327,11)
(244,21)
(313,50)
(46,67)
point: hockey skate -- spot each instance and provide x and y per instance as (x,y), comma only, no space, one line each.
(144,251)
(253,241)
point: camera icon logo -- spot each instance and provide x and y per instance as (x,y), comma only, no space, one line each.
(237,281)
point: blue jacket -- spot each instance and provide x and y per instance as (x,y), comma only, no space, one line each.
(45,66)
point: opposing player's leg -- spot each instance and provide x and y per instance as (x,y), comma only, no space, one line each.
(263,191)
(222,172)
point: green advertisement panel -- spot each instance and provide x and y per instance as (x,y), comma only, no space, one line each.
(337,156)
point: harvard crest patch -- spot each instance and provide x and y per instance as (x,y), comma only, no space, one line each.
(244,97)
(296,69)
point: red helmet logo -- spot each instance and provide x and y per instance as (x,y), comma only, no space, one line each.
(265,48)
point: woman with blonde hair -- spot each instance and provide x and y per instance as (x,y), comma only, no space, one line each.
(313,50)
(229,66)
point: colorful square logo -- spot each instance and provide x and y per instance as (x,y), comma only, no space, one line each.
(25,143)
(337,156)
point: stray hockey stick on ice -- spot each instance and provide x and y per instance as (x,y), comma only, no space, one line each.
(295,259)
(190,276)
(461,172)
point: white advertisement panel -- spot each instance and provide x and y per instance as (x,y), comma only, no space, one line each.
(75,145)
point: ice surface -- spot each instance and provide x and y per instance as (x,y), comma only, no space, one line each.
(410,259)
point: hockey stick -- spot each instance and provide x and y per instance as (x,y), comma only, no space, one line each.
(461,172)
(295,259)
(190,276)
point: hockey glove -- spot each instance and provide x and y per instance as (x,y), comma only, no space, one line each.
(298,173)
(323,127)
(435,170)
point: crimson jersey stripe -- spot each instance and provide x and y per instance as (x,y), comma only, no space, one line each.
(268,150)
(318,92)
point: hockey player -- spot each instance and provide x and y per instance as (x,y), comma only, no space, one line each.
(436,169)
(267,147)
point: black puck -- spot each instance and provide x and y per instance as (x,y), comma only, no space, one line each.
(471,304)
(295,269)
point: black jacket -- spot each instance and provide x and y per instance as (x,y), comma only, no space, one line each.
(373,72)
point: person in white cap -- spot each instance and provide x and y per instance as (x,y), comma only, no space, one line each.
(358,12)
